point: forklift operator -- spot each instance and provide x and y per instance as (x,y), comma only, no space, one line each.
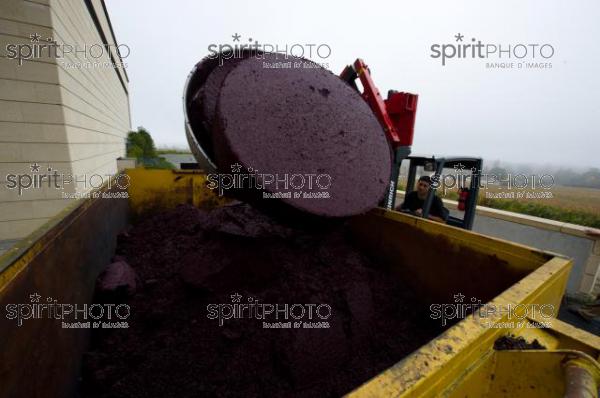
(415,200)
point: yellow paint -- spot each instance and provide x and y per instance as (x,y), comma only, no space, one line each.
(458,363)
(18,257)
(164,189)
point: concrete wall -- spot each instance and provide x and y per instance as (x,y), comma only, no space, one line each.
(73,120)
(580,243)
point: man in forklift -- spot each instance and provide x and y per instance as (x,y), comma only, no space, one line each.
(414,201)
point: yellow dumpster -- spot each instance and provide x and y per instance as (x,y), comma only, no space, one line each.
(520,290)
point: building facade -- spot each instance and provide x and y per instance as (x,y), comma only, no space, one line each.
(64,108)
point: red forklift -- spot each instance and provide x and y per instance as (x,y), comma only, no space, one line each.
(396,114)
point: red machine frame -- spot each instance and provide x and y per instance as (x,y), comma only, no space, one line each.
(396,114)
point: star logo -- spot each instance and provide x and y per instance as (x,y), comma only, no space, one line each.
(235,298)
(236,167)
(35,38)
(35,298)
(236,37)
(458,298)
(459,166)
(459,37)
(35,168)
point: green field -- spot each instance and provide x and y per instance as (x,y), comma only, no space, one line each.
(176,151)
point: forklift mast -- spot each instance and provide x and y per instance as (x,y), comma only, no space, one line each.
(467,185)
(396,114)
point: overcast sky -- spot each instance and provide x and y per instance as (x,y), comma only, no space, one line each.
(542,116)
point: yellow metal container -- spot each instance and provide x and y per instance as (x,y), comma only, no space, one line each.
(443,264)
(441,261)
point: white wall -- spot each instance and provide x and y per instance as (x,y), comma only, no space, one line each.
(73,120)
